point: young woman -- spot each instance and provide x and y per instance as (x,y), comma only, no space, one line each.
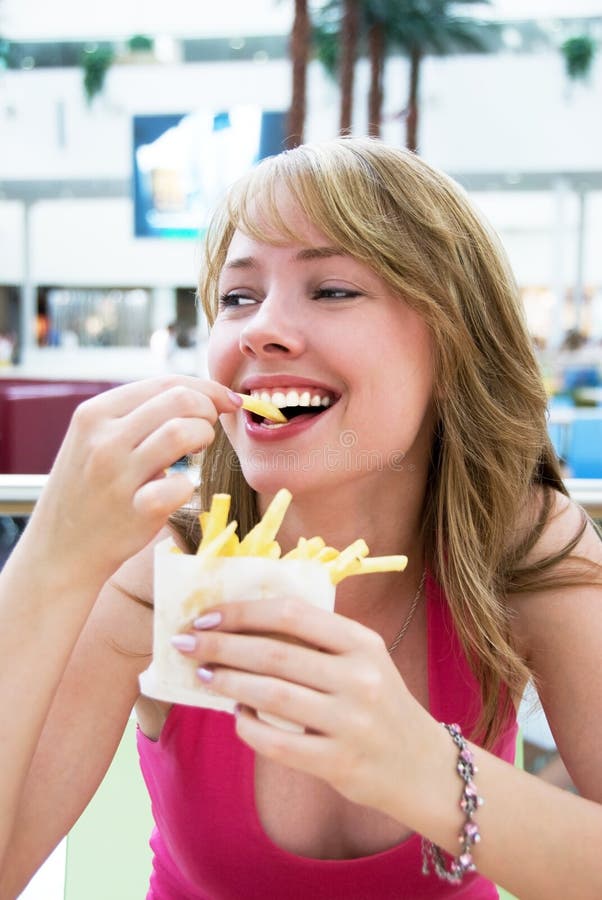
(353,277)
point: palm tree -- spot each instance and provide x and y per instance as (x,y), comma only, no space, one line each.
(350,31)
(416,27)
(342,27)
(377,52)
(433,28)
(299,51)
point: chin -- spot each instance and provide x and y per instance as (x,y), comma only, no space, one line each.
(270,481)
(300,480)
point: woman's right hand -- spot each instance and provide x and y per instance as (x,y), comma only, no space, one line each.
(108,495)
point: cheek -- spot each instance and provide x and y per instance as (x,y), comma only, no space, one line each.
(222,351)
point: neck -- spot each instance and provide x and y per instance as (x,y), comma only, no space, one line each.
(389,522)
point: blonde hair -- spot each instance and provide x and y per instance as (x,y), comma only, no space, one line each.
(416,228)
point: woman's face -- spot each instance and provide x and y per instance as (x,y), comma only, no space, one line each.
(322,335)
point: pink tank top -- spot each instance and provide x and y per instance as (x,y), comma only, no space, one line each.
(209,843)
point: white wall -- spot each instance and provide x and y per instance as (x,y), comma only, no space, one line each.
(64,19)
(501,113)
(98,138)
(92,242)
(511,112)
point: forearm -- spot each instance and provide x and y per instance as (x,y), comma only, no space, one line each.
(42,612)
(536,839)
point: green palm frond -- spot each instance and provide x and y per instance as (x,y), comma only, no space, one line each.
(435,28)
(578,52)
(326,47)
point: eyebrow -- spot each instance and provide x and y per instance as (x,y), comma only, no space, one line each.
(309,253)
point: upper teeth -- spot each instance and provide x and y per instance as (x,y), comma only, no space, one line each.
(282,399)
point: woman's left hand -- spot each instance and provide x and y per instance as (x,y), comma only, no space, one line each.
(340,685)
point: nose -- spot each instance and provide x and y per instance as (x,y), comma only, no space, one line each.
(272,331)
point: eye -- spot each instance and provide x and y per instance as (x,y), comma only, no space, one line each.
(235,300)
(335,293)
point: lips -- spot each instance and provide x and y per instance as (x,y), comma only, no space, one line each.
(295,396)
(295,402)
(302,401)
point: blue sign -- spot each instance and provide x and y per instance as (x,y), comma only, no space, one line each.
(182,164)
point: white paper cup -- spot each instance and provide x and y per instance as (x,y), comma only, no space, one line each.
(186,586)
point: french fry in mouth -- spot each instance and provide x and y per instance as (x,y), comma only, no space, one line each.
(262,408)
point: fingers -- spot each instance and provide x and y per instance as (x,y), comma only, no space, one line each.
(144,427)
(127,397)
(127,415)
(292,681)
(107,480)
(320,628)
(158,499)
(295,703)
(174,439)
(267,656)
(306,752)
(175,403)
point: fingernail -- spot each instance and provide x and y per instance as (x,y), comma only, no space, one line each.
(234,397)
(183,641)
(209,620)
(204,674)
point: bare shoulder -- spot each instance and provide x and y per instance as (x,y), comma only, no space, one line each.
(569,538)
(565,521)
(558,628)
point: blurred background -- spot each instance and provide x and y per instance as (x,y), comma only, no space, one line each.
(122,121)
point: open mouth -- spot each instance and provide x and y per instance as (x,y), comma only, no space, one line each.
(293,404)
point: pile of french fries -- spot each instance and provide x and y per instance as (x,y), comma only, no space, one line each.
(219,539)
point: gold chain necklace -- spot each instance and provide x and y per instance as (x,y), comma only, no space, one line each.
(408,619)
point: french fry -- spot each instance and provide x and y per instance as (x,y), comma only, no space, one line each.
(372,564)
(262,408)
(220,539)
(347,562)
(231,546)
(216,546)
(204,520)
(214,522)
(327,554)
(306,548)
(262,535)
(272,551)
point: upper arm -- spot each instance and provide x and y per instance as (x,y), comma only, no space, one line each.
(84,725)
(560,632)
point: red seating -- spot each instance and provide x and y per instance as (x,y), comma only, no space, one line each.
(34,417)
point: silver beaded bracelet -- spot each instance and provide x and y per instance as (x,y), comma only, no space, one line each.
(432,855)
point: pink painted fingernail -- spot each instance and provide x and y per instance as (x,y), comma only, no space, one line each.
(209,620)
(234,397)
(204,674)
(184,642)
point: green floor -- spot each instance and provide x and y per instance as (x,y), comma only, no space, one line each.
(108,857)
